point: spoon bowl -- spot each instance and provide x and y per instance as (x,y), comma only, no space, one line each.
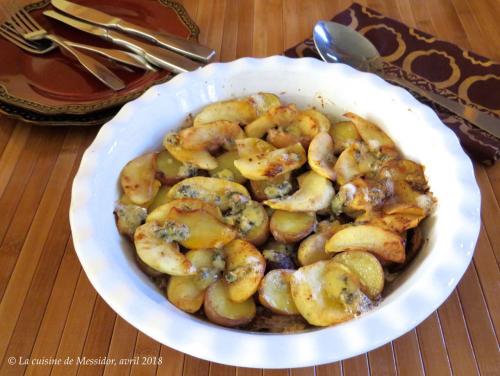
(337,43)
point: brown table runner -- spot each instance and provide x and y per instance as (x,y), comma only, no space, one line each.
(433,65)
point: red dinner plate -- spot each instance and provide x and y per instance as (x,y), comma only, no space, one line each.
(54,83)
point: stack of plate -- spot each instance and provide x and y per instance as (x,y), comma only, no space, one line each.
(53,89)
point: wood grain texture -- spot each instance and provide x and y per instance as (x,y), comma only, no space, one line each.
(48,308)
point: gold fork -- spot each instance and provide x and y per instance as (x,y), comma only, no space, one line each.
(26,26)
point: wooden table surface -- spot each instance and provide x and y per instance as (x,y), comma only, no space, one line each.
(49,310)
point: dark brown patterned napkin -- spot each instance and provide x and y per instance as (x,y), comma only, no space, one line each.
(433,65)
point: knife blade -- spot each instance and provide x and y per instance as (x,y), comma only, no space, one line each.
(171,42)
(480,119)
(155,55)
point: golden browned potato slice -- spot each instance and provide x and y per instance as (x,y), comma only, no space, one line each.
(367,268)
(169,170)
(243,110)
(198,158)
(290,227)
(386,244)
(276,187)
(312,248)
(220,309)
(203,229)
(160,214)
(250,146)
(344,134)
(313,300)
(128,218)
(186,292)
(160,199)
(211,136)
(156,250)
(245,267)
(217,191)
(315,193)
(254,223)
(320,155)
(370,133)
(282,116)
(226,168)
(274,292)
(271,164)
(138,179)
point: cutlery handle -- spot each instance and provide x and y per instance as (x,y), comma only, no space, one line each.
(98,70)
(155,55)
(117,55)
(483,121)
(179,45)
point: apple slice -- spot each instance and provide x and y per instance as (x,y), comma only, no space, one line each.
(315,193)
(138,179)
(156,250)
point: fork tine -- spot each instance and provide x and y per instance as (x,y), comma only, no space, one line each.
(29,19)
(23,27)
(18,41)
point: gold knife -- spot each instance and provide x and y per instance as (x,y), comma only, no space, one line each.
(171,42)
(153,54)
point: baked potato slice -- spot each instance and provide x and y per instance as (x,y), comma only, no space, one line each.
(250,146)
(156,249)
(315,193)
(243,110)
(321,157)
(203,229)
(160,214)
(367,268)
(218,191)
(271,164)
(198,158)
(386,244)
(128,218)
(374,137)
(170,171)
(312,248)
(138,179)
(211,136)
(275,294)
(226,169)
(290,227)
(245,267)
(344,134)
(220,309)
(253,223)
(276,187)
(187,292)
(314,298)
